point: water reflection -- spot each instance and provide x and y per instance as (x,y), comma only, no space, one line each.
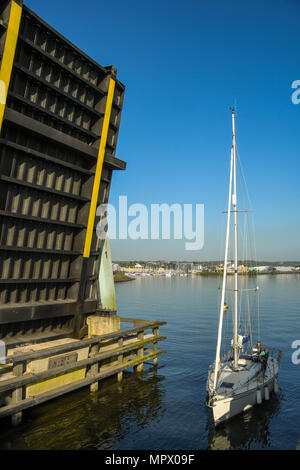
(247,431)
(168,411)
(91,421)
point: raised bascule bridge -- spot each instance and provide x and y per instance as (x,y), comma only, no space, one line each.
(60,114)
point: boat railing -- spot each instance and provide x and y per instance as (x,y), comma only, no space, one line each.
(276,353)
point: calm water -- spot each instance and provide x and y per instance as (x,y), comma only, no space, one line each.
(165,409)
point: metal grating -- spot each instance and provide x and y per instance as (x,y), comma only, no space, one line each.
(51,132)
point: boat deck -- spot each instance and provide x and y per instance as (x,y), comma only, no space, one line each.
(248,375)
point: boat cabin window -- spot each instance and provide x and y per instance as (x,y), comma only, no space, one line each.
(227,384)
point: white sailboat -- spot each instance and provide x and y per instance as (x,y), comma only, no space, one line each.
(237,381)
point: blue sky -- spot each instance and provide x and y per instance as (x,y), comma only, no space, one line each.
(184,63)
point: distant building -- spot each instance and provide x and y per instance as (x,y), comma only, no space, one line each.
(242,268)
(197,267)
(137,268)
(285,269)
(262,269)
(116,268)
(161,269)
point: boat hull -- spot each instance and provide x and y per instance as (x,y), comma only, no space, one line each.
(226,408)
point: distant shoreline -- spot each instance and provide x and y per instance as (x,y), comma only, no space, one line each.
(120,277)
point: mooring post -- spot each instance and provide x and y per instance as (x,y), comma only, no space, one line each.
(94,369)
(140,353)
(120,360)
(17,394)
(155,332)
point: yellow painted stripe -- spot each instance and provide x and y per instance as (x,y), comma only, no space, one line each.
(9,54)
(97,178)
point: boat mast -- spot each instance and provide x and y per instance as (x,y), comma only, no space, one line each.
(234,203)
(217,362)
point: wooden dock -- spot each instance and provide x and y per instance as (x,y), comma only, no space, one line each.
(22,387)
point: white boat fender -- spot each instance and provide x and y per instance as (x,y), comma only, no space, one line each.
(276,388)
(258,396)
(267,392)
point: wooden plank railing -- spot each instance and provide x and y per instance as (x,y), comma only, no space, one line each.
(98,366)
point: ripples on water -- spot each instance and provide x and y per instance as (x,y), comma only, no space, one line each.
(165,408)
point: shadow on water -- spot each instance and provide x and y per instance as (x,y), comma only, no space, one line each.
(82,420)
(246,431)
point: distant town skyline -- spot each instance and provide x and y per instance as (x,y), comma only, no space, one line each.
(162,261)
(130,270)
(184,64)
